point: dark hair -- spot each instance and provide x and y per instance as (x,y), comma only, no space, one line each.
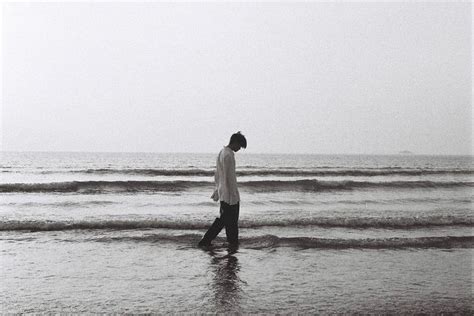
(239,139)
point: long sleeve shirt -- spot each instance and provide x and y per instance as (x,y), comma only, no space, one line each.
(225,178)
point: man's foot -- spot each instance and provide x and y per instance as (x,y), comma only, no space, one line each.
(204,243)
(233,247)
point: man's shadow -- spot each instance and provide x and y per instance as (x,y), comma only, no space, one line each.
(226,282)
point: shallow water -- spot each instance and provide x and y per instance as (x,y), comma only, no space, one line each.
(145,277)
(90,232)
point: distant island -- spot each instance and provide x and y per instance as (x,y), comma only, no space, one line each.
(405,152)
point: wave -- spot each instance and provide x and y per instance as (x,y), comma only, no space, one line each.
(257,171)
(316,185)
(346,222)
(103,186)
(309,185)
(61,204)
(272,241)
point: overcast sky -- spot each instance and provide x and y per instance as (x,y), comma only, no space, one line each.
(293,77)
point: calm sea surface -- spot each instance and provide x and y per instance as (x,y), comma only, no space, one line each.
(117,232)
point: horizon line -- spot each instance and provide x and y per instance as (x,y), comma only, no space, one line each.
(252,153)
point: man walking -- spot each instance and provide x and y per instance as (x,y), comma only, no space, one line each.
(227,193)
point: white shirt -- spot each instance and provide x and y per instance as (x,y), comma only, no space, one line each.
(226,180)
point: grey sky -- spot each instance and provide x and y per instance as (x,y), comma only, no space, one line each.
(293,77)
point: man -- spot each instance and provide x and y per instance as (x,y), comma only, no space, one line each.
(227,193)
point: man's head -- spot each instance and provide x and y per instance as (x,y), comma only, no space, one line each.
(237,141)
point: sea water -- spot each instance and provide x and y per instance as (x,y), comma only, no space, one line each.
(117,232)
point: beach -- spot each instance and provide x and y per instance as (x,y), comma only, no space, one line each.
(117,233)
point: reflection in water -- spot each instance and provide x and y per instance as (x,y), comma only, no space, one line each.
(226,282)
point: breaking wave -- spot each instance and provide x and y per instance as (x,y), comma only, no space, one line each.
(348,222)
(103,186)
(310,185)
(61,204)
(272,241)
(287,171)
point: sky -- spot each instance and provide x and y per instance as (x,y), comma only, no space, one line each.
(308,77)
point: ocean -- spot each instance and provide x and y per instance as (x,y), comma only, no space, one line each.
(118,233)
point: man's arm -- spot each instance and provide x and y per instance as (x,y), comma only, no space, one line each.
(230,177)
(215,195)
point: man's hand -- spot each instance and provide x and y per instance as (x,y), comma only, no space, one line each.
(215,196)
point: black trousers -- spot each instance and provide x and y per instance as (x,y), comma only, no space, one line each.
(229,219)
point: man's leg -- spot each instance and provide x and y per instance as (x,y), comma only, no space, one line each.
(230,217)
(212,232)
